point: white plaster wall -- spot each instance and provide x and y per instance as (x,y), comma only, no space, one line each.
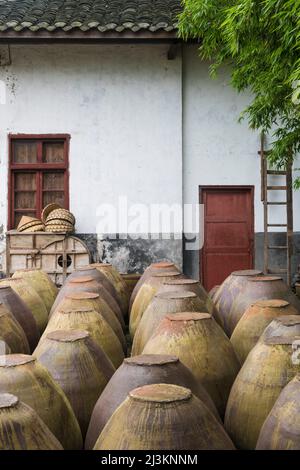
(122,106)
(217,149)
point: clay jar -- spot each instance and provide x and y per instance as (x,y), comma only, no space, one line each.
(79,366)
(21,428)
(95,302)
(118,282)
(203,347)
(136,372)
(212,292)
(163,417)
(281,430)
(21,313)
(284,327)
(24,376)
(260,288)
(31,299)
(161,305)
(267,370)
(12,333)
(190,285)
(88,284)
(252,324)
(228,291)
(146,293)
(131,281)
(93,322)
(41,283)
(154,268)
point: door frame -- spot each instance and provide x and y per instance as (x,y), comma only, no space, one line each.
(251,189)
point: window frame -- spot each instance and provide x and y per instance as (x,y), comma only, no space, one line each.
(38,167)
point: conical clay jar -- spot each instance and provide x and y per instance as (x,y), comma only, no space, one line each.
(79,366)
(41,283)
(21,428)
(118,282)
(163,417)
(136,372)
(203,347)
(24,376)
(284,327)
(11,332)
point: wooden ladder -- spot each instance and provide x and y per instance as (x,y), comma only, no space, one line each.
(287,190)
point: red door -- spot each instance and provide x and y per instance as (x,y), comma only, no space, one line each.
(228,232)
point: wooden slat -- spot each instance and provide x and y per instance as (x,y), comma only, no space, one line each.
(277,172)
(277,188)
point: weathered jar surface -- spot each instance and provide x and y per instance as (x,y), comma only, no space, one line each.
(163,417)
(21,313)
(79,366)
(267,370)
(252,324)
(25,377)
(22,429)
(12,333)
(136,372)
(281,430)
(284,327)
(203,347)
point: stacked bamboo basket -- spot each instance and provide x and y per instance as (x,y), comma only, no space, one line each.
(161,366)
(54,219)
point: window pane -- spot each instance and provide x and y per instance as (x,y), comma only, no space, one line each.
(25,200)
(19,215)
(54,196)
(25,181)
(53,152)
(53,181)
(25,152)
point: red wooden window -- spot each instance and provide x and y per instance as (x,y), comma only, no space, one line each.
(38,174)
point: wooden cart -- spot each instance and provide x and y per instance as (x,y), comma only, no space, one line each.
(57,254)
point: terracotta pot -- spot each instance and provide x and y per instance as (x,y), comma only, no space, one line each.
(285,327)
(163,417)
(203,347)
(266,371)
(212,292)
(118,282)
(154,268)
(190,285)
(26,377)
(79,366)
(93,301)
(260,288)
(163,304)
(92,321)
(136,372)
(12,333)
(41,283)
(31,298)
(146,293)
(281,430)
(21,313)
(252,324)
(21,428)
(228,291)
(88,284)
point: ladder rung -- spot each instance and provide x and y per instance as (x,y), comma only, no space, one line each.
(277,225)
(277,247)
(277,271)
(276,172)
(277,203)
(276,188)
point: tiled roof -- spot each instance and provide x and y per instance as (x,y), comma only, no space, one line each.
(86,15)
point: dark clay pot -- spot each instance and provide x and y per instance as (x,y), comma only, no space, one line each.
(79,366)
(163,417)
(227,293)
(136,372)
(260,288)
(22,314)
